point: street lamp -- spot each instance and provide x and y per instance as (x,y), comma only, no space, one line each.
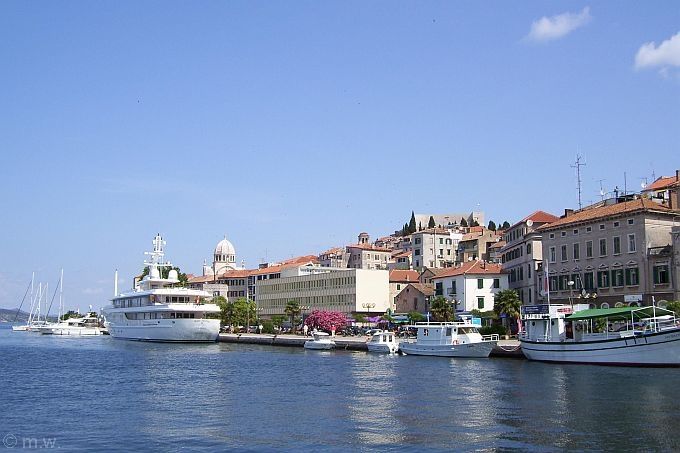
(570,283)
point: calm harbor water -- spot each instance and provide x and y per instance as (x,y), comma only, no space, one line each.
(96,394)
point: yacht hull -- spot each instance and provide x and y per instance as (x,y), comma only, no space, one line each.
(167,330)
(656,349)
(385,348)
(71,331)
(466,350)
(312,344)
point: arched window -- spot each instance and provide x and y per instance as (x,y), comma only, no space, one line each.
(604,305)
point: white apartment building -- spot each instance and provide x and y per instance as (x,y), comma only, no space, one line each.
(471,286)
(434,247)
(332,289)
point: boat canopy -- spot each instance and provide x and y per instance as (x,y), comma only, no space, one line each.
(621,312)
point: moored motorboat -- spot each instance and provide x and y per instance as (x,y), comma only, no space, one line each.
(449,339)
(383,341)
(321,340)
(81,326)
(639,336)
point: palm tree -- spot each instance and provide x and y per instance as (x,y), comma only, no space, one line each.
(506,302)
(441,309)
(292,310)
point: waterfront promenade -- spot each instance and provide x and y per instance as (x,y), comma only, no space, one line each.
(505,348)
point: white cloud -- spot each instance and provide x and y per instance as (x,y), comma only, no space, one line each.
(554,27)
(666,54)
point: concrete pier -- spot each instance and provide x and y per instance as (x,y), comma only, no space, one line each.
(505,348)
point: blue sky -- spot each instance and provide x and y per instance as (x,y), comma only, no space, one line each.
(292,126)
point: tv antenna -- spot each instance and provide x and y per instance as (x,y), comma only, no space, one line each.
(602,192)
(577,165)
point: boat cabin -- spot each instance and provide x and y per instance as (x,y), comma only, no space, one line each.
(446,333)
(547,322)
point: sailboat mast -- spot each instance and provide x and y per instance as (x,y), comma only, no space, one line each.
(61,296)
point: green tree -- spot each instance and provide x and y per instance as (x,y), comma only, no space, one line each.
(293,311)
(420,226)
(278,320)
(442,310)
(506,302)
(674,306)
(431,223)
(226,310)
(243,311)
(492,225)
(412,223)
(463,222)
(414,317)
(474,223)
(268,326)
(506,225)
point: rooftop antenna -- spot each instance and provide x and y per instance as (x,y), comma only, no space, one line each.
(602,192)
(643,184)
(577,165)
(625,184)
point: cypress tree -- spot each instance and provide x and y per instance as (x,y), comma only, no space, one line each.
(412,223)
(492,225)
(463,222)
(506,225)
(431,223)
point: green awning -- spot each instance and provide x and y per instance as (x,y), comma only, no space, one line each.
(618,313)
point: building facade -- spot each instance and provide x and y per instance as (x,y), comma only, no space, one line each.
(331,289)
(523,253)
(364,255)
(434,248)
(615,253)
(414,297)
(471,286)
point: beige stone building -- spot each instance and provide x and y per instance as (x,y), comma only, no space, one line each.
(614,253)
(434,248)
(399,279)
(474,245)
(414,297)
(522,254)
(364,255)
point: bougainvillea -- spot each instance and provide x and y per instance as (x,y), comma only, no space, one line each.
(326,320)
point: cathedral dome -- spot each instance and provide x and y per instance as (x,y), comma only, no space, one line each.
(224,248)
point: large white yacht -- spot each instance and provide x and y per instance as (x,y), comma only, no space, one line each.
(158,310)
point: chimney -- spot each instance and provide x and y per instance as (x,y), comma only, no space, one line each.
(568,212)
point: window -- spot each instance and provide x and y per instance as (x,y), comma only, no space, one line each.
(563,253)
(528,249)
(453,287)
(589,249)
(603,279)
(616,224)
(603,247)
(661,276)
(631,243)
(480,303)
(631,221)
(589,229)
(552,283)
(577,251)
(553,255)
(563,233)
(398,286)
(632,278)
(617,277)
(602,226)
(552,235)
(617,245)
(528,270)
(588,281)
(439,289)
(417,240)
(575,232)
(496,283)
(480,283)
(417,252)
(563,282)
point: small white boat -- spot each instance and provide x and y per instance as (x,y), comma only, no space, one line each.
(383,341)
(321,340)
(641,336)
(450,339)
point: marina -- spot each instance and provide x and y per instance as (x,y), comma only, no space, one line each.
(243,397)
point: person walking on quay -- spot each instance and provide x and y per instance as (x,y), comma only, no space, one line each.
(305,329)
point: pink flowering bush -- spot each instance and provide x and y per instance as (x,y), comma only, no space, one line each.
(326,320)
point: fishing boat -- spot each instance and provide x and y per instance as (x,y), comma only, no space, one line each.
(383,341)
(636,336)
(449,339)
(321,340)
(157,309)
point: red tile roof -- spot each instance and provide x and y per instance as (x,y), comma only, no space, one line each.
(369,247)
(497,245)
(538,217)
(425,289)
(662,182)
(398,276)
(471,268)
(618,209)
